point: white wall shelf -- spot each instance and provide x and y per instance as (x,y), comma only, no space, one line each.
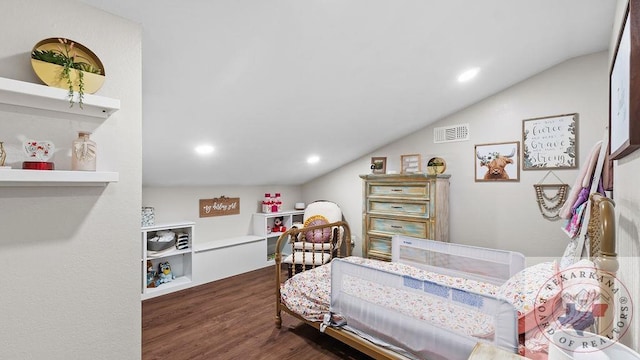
(18,177)
(262,221)
(28,97)
(181,261)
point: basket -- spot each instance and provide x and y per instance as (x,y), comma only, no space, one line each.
(160,245)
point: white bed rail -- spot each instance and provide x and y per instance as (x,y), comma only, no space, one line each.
(421,338)
(471,262)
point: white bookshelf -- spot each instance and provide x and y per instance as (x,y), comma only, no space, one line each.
(181,261)
(29,98)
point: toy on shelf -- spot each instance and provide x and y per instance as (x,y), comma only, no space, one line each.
(165,276)
(152,275)
(277,225)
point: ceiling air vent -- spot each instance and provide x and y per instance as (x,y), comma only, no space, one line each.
(451,133)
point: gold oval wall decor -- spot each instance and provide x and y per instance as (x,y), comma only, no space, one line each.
(51,74)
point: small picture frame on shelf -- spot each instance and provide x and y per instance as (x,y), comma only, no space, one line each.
(410,164)
(378,165)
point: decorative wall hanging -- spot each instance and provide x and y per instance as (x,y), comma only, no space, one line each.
(378,165)
(410,164)
(550,142)
(550,197)
(219,206)
(497,162)
(67,64)
(624,82)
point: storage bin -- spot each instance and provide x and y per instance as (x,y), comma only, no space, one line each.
(160,245)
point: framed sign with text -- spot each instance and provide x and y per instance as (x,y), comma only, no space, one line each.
(550,142)
(219,206)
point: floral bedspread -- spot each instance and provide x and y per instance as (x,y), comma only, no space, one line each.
(309,294)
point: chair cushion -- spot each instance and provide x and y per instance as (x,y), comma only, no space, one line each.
(318,235)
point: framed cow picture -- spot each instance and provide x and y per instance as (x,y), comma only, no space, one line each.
(497,161)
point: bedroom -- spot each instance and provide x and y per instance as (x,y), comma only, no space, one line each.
(74,228)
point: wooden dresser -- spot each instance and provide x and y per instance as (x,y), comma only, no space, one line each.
(410,204)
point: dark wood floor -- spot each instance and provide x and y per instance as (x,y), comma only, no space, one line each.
(231,318)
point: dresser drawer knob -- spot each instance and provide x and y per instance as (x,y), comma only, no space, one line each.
(396,226)
(396,207)
(396,190)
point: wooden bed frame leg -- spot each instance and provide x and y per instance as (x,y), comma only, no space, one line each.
(278,279)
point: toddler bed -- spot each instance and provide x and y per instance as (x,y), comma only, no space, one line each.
(434,300)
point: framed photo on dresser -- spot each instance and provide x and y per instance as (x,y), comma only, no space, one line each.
(410,164)
(378,165)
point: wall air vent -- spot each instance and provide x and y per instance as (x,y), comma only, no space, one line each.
(451,133)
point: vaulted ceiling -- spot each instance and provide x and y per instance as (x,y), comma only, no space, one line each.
(269,83)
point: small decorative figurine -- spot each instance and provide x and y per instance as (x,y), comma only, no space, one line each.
(277,225)
(3,154)
(38,152)
(152,275)
(165,273)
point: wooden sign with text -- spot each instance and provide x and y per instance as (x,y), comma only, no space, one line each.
(219,206)
(550,142)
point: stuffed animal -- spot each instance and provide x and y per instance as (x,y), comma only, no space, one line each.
(165,274)
(277,225)
(152,275)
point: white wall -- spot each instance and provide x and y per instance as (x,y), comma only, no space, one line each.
(499,215)
(70,286)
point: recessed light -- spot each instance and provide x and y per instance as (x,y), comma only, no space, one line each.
(204,149)
(313,159)
(468,75)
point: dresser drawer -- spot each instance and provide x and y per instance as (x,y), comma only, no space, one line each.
(420,208)
(383,225)
(379,247)
(413,190)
